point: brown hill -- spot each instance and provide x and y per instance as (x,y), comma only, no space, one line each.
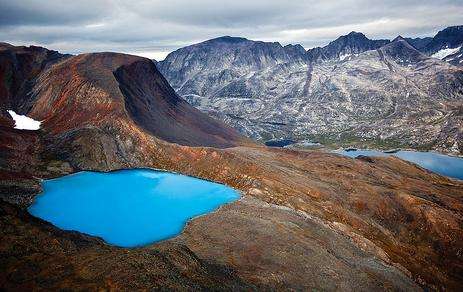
(124,87)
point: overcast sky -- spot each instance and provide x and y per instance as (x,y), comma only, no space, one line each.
(154,28)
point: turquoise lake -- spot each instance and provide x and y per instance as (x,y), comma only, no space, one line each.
(128,208)
(439,163)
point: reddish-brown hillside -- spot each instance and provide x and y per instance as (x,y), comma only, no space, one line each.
(97,90)
(19,66)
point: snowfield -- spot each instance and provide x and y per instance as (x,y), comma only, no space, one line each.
(445,52)
(24,122)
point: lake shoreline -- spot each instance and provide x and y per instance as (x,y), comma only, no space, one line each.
(442,164)
(133,208)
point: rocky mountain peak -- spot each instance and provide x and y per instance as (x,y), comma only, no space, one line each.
(227,39)
(295,51)
(355,35)
(352,39)
(403,52)
(352,43)
(454,33)
(398,42)
(399,38)
(22,64)
(5,45)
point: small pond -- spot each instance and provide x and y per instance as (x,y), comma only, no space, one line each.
(279,143)
(128,208)
(439,163)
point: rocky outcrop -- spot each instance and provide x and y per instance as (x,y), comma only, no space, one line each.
(263,231)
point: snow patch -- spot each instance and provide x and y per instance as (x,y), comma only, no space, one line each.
(23,122)
(445,52)
(342,57)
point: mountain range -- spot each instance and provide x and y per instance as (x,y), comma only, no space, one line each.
(354,91)
(306,220)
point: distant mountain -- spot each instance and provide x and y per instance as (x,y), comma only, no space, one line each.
(444,41)
(354,91)
(445,45)
(204,68)
(353,43)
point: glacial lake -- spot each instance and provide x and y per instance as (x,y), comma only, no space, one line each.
(128,208)
(279,143)
(439,163)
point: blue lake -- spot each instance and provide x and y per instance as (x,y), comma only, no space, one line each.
(128,208)
(439,163)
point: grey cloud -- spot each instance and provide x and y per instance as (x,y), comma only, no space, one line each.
(21,12)
(160,26)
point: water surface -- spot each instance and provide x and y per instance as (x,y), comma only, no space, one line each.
(279,143)
(439,163)
(128,208)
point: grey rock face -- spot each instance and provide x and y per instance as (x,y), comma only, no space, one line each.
(354,89)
